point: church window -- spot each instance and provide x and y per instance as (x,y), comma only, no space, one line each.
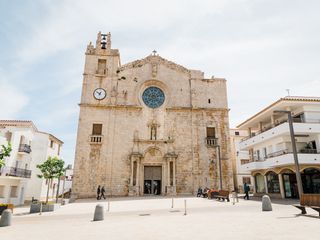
(102,66)
(153,97)
(96,129)
(211,132)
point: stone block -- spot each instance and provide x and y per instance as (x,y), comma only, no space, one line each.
(98,213)
(35,208)
(266,203)
(6,218)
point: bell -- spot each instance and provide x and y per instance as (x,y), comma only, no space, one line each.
(104,38)
(103,45)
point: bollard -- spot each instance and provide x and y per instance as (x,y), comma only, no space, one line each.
(109,205)
(233,198)
(172,203)
(98,213)
(6,218)
(266,203)
(40,211)
(185,207)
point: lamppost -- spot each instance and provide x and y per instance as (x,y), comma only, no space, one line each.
(294,150)
(220,168)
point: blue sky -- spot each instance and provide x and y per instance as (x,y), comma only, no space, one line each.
(262,47)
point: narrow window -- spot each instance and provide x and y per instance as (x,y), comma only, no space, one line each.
(51,143)
(211,132)
(102,66)
(209,100)
(236,133)
(96,129)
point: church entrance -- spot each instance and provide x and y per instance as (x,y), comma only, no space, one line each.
(152,180)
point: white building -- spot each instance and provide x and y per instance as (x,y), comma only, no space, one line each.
(239,158)
(30,147)
(270,150)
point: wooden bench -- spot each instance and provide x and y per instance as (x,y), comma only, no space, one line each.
(309,200)
(223,194)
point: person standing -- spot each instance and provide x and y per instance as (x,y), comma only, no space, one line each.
(98,192)
(246,189)
(102,193)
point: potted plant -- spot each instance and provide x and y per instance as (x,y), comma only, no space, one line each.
(52,168)
(4,206)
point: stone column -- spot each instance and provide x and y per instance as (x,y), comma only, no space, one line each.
(131,178)
(281,185)
(265,183)
(168,172)
(174,173)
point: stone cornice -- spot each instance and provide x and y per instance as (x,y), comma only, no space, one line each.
(133,107)
(196,109)
(154,59)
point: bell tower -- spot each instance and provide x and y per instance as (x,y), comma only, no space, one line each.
(100,71)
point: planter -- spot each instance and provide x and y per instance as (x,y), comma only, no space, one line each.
(5,206)
(35,207)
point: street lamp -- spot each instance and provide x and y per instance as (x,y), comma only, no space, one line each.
(294,150)
(220,168)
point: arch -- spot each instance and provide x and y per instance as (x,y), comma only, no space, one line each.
(286,170)
(270,171)
(152,155)
(309,167)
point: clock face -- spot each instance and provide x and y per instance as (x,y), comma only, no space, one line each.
(99,93)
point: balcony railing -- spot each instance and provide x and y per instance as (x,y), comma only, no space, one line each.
(17,172)
(212,142)
(96,139)
(25,148)
(266,128)
(282,152)
(101,71)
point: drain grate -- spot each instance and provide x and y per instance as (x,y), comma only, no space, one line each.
(144,214)
(175,211)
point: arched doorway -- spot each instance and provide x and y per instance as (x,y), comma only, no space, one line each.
(273,184)
(289,183)
(311,180)
(152,172)
(259,181)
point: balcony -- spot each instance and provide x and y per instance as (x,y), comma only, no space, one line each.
(24,148)
(303,128)
(17,172)
(95,139)
(212,142)
(283,158)
(101,72)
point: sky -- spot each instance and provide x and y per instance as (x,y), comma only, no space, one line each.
(262,48)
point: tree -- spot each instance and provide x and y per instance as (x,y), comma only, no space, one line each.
(4,152)
(52,168)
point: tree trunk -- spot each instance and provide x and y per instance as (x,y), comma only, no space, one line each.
(48,190)
(57,195)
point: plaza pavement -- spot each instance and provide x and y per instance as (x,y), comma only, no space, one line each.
(153,218)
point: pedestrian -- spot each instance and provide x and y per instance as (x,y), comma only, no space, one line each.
(102,193)
(98,193)
(246,189)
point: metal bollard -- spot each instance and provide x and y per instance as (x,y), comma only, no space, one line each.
(185,207)
(108,205)
(172,203)
(40,212)
(6,218)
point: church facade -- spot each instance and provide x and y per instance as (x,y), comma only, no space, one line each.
(149,127)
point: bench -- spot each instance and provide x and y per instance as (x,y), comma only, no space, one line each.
(220,195)
(309,200)
(223,194)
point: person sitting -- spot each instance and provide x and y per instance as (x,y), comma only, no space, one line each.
(199,194)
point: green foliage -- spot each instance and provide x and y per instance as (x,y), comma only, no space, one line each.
(53,167)
(4,152)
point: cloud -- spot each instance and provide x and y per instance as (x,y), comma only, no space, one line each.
(12,101)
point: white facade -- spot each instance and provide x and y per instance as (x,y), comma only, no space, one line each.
(18,179)
(270,148)
(239,158)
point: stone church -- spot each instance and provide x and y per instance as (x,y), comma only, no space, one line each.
(150,126)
